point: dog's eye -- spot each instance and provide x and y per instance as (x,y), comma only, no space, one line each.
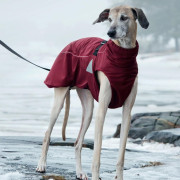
(123,18)
(110,20)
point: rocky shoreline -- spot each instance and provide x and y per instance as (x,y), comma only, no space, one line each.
(19,157)
(160,127)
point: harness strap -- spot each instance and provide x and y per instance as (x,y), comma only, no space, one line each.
(97,49)
(12,51)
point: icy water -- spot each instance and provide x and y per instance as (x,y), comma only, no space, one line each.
(25,104)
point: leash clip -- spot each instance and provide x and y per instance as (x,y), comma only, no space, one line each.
(103,42)
(97,49)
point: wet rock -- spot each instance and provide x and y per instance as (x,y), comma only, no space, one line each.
(165,122)
(178,123)
(166,136)
(139,132)
(144,123)
(176,114)
(177,142)
(61,161)
(70,142)
(52,178)
(138,115)
(3,157)
(152,164)
(142,126)
(17,158)
(117,133)
(38,141)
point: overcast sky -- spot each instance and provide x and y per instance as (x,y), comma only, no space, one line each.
(52,22)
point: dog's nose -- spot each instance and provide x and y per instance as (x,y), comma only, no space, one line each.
(111,33)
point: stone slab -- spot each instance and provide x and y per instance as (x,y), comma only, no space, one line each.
(22,156)
(166,136)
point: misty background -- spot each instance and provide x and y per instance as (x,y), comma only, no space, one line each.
(163,33)
(39,24)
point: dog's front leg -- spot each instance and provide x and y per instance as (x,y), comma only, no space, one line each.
(59,96)
(126,120)
(104,100)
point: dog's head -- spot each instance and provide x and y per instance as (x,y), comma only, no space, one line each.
(122,21)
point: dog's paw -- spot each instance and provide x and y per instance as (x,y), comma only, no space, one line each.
(41,167)
(81,176)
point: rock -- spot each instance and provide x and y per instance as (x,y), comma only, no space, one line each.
(152,164)
(145,121)
(176,114)
(52,177)
(53,142)
(170,118)
(177,143)
(166,122)
(70,142)
(178,123)
(163,124)
(138,132)
(23,154)
(166,136)
(139,127)
(138,115)
(117,133)
(142,124)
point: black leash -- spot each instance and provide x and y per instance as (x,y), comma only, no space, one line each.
(12,51)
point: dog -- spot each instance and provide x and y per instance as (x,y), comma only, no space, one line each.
(122,33)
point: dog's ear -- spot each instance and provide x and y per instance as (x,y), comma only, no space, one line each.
(103,16)
(139,14)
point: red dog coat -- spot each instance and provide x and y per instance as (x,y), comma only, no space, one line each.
(77,66)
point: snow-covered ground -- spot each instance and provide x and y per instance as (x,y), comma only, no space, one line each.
(12,176)
(26,103)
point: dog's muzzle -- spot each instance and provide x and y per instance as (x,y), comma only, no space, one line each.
(112,33)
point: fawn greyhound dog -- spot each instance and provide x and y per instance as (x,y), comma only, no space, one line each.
(122,33)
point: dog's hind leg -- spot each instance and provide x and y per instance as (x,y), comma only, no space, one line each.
(59,96)
(87,102)
(126,120)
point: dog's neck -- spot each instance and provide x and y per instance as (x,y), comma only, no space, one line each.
(128,42)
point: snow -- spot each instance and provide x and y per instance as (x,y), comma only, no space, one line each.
(113,143)
(12,176)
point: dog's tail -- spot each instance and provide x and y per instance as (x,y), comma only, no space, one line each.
(66,115)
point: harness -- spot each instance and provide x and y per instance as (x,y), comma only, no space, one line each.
(97,49)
